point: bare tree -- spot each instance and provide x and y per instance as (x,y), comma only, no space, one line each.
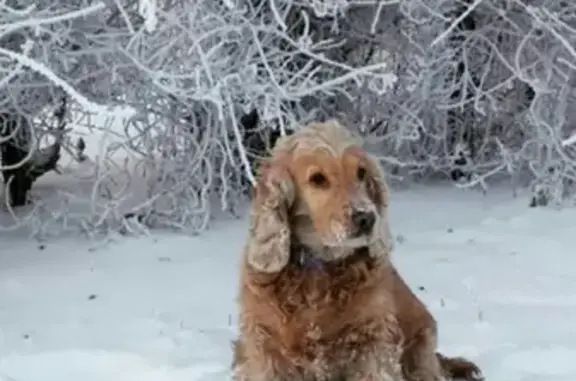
(185,74)
(477,91)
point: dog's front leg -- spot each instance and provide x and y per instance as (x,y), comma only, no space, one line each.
(253,364)
(376,366)
(419,359)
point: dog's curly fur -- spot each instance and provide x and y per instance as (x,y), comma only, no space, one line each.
(350,317)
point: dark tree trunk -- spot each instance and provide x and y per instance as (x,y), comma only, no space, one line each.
(460,128)
(14,151)
(16,136)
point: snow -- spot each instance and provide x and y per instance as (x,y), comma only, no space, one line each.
(147,9)
(497,275)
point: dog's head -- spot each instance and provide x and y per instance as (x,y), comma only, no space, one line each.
(339,197)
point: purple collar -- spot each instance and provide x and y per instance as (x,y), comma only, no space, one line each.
(309,261)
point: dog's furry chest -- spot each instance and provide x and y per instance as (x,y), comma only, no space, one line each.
(315,295)
(322,317)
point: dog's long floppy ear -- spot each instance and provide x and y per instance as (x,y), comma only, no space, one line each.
(378,193)
(376,185)
(269,242)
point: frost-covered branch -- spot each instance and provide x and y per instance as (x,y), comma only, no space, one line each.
(35,22)
(474,90)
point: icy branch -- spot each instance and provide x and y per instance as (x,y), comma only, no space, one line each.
(455,23)
(570,141)
(38,21)
(75,95)
(471,92)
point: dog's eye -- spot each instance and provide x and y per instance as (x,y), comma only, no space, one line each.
(318,179)
(361,174)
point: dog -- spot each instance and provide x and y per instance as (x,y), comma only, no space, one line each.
(320,299)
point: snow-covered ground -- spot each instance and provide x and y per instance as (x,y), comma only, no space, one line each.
(499,277)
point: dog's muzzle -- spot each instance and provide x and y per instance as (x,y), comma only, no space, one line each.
(363,222)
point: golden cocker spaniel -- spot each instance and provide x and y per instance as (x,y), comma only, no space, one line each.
(320,299)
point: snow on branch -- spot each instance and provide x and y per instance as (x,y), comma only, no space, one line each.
(484,92)
(147,9)
(473,91)
(185,77)
(34,22)
(55,80)
(569,141)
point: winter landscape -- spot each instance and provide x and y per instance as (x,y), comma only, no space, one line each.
(129,142)
(498,276)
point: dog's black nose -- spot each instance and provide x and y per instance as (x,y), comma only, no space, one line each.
(363,220)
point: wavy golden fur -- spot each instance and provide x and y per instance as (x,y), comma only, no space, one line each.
(320,299)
